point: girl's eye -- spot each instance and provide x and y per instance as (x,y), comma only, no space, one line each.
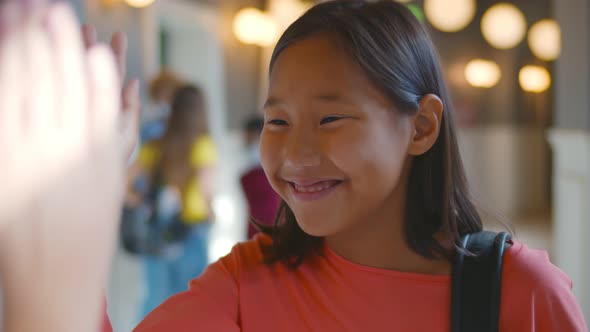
(277,122)
(329,119)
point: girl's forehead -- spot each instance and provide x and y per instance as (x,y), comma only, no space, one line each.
(319,61)
(321,50)
(318,69)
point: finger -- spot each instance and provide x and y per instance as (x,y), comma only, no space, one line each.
(71,69)
(131,101)
(30,6)
(12,83)
(11,88)
(119,45)
(10,16)
(40,76)
(131,115)
(88,35)
(105,95)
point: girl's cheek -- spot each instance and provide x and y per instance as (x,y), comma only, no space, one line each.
(346,147)
(270,154)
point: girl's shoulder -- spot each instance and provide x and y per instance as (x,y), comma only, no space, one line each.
(203,151)
(149,153)
(532,268)
(537,293)
(153,144)
(246,256)
(204,139)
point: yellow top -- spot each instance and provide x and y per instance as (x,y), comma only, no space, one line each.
(203,154)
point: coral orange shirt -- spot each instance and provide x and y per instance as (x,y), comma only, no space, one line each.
(328,293)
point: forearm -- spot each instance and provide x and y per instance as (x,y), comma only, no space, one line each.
(29,308)
(41,297)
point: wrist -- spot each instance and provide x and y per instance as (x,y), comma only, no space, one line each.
(32,309)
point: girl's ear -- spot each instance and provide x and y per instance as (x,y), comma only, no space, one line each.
(426,125)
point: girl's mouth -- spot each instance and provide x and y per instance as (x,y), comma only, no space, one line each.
(313,191)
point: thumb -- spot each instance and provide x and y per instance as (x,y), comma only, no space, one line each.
(119,46)
(131,115)
(131,100)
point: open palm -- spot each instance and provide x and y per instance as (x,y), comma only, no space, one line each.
(63,165)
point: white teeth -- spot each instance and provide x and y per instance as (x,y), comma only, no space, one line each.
(313,188)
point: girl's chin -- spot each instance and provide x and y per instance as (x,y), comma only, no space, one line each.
(316,228)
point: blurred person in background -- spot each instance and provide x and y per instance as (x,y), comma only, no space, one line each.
(175,173)
(161,92)
(263,201)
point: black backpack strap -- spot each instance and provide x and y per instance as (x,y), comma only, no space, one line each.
(476,282)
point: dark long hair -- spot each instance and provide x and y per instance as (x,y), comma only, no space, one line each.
(186,123)
(396,53)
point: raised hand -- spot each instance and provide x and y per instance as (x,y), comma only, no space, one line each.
(62,169)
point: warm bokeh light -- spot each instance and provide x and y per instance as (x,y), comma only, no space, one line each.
(482,73)
(449,15)
(534,79)
(503,25)
(545,39)
(139,3)
(253,26)
(286,12)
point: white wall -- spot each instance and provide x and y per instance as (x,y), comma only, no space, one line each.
(571,216)
(571,145)
(507,169)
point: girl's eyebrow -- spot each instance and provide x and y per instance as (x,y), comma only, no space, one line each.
(323,97)
(330,97)
(271,102)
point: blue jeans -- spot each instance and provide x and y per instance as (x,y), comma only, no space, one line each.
(168,276)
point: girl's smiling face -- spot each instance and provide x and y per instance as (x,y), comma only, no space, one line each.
(334,147)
